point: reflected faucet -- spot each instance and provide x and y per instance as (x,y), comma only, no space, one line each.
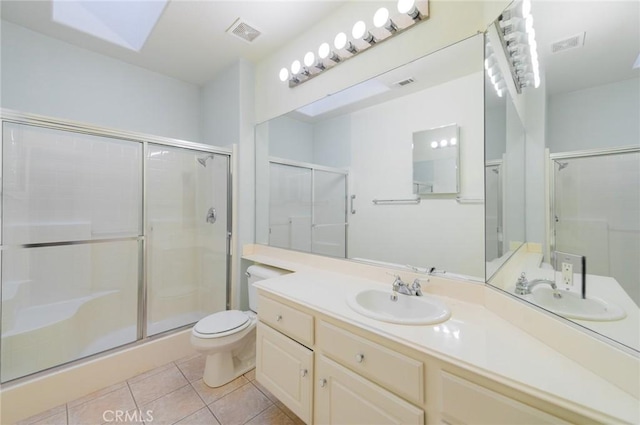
(524,286)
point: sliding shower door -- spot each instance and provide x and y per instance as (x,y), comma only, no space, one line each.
(187,228)
(71,246)
(597,214)
(308,208)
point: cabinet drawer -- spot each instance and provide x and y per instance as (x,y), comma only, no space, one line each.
(288,320)
(394,371)
(464,402)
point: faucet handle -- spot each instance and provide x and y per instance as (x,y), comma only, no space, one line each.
(415,286)
(523,278)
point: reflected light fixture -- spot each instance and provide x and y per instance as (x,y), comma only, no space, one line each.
(363,38)
(518,37)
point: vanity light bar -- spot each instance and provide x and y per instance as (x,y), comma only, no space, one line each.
(518,38)
(493,70)
(410,13)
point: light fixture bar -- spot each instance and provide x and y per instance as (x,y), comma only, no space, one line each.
(383,29)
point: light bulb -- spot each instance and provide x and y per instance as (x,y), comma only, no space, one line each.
(324,50)
(381,17)
(340,41)
(443,143)
(406,6)
(434,144)
(284,74)
(309,58)
(526,8)
(531,36)
(359,29)
(454,141)
(536,80)
(528,23)
(295,67)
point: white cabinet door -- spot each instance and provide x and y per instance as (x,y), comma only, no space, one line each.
(285,368)
(344,397)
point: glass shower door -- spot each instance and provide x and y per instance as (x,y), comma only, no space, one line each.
(187,236)
(71,246)
(329,213)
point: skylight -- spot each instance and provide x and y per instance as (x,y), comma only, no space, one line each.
(125,23)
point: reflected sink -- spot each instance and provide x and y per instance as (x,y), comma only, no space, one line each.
(572,306)
(407,310)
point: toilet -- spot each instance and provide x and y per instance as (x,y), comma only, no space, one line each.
(228,338)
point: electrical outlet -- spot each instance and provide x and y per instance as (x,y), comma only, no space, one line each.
(567,273)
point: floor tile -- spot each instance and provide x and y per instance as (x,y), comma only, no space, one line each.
(151,372)
(93,412)
(174,406)
(201,417)
(296,420)
(96,394)
(240,406)
(251,375)
(193,369)
(39,418)
(209,395)
(271,416)
(265,391)
(157,385)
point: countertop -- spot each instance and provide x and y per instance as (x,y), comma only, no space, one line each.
(474,338)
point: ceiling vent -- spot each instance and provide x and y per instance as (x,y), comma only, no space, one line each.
(572,42)
(243,30)
(404,82)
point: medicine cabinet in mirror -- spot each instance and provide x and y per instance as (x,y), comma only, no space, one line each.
(336,177)
(435,161)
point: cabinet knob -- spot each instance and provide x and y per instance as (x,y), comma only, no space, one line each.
(359,357)
(304,372)
(278,317)
(323,383)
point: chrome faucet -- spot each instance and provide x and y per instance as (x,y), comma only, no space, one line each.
(524,286)
(399,287)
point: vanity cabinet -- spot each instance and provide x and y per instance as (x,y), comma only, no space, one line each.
(283,365)
(344,397)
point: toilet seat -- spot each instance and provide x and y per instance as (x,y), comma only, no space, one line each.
(222,324)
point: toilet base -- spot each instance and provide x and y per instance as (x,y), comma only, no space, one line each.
(223,367)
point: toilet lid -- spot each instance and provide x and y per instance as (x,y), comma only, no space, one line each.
(223,321)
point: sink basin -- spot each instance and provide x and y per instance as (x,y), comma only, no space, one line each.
(406,310)
(571,305)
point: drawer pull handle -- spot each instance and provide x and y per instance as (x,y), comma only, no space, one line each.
(278,317)
(323,383)
(359,357)
(303,373)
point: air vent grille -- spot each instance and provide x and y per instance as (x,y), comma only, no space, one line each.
(404,82)
(572,42)
(243,30)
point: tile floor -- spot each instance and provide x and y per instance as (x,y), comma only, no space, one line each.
(173,394)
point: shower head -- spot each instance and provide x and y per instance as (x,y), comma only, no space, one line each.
(562,165)
(203,159)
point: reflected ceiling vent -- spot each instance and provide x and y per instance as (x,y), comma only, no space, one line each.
(243,30)
(404,82)
(572,42)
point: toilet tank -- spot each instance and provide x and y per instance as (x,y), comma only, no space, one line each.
(257,273)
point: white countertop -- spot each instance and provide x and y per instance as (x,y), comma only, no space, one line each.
(474,338)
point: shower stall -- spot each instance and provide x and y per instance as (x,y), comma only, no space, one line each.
(107,238)
(308,208)
(596,212)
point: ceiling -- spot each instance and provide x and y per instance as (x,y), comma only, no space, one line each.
(189,41)
(611,43)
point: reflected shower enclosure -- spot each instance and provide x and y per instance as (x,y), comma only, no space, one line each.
(94,226)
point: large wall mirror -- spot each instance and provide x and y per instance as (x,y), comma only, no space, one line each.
(583,167)
(336,177)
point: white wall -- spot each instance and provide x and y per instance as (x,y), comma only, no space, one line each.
(438,232)
(219,116)
(599,117)
(45,76)
(291,139)
(332,142)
